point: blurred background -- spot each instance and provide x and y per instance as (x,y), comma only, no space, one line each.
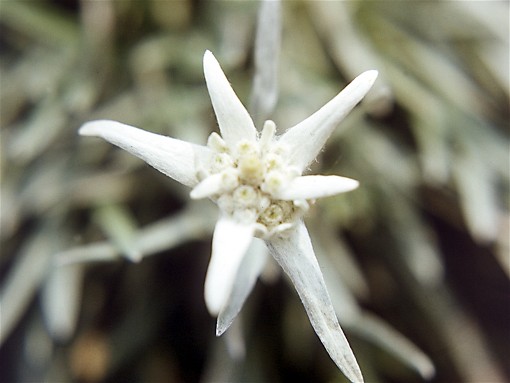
(103,259)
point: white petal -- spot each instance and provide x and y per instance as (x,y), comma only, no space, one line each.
(307,138)
(233,118)
(225,181)
(230,242)
(311,187)
(207,187)
(251,267)
(175,158)
(296,256)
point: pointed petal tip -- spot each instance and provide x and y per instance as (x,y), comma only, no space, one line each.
(369,76)
(357,378)
(220,330)
(351,370)
(353,184)
(195,195)
(88,129)
(316,186)
(94,128)
(209,59)
(198,192)
(372,72)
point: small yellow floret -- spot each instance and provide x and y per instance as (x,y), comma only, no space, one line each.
(251,169)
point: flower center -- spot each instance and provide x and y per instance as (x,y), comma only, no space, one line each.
(249,177)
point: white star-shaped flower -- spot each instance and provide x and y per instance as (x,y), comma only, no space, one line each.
(256,180)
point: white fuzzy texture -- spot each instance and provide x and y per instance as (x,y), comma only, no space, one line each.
(230,242)
(251,267)
(257,184)
(233,119)
(175,158)
(312,187)
(306,139)
(297,258)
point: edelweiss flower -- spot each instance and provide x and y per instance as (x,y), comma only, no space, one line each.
(256,180)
